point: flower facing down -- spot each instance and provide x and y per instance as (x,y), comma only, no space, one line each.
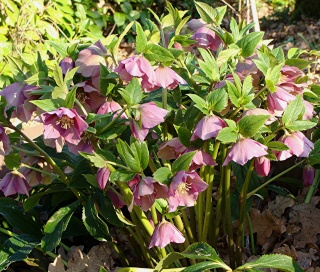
(171,149)
(208,127)
(308,174)
(262,166)
(66,64)
(184,189)
(146,191)
(62,125)
(14,182)
(298,143)
(207,38)
(4,142)
(244,150)
(164,234)
(103,177)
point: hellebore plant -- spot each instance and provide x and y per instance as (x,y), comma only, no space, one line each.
(152,143)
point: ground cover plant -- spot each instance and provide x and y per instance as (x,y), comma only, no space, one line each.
(169,147)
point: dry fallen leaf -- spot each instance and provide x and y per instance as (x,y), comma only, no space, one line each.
(278,206)
(57,265)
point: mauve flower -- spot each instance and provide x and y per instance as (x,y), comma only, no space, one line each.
(89,97)
(279,100)
(208,127)
(14,182)
(62,125)
(84,145)
(171,149)
(146,191)
(136,66)
(112,107)
(5,147)
(195,24)
(298,143)
(290,73)
(309,110)
(103,177)
(164,234)
(262,166)
(207,38)
(151,115)
(184,189)
(90,58)
(199,159)
(66,64)
(166,78)
(116,200)
(308,174)
(244,150)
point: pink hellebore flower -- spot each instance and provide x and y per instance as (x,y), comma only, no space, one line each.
(66,64)
(62,125)
(4,142)
(199,159)
(244,150)
(208,127)
(151,115)
(146,192)
(262,166)
(195,24)
(166,78)
(308,174)
(184,189)
(113,107)
(279,100)
(298,143)
(207,38)
(171,149)
(136,66)
(14,182)
(103,177)
(116,200)
(164,234)
(90,58)
(309,110)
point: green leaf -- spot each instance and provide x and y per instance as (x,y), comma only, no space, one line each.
(183,162)
(263,62)
(299,63)
(142,151)
(272,77)
(217,100)
(293,111)
(128,157)
(154,52)
(234,93)
(98,160)
(227,135)
(277,261)
(16,249)
(121,175)
(184,135)
(209,65)
(200,103)
(301,125)
(77,179)
(203,266)
(162,175)
(12,161)
(132,93)
(209,14)
(249,43)
(141,39)
(277,146)
(119,18)
(93,223)
(56,225)
(70,98)
(47,104)
(250,125)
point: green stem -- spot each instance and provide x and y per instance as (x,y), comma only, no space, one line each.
(41,171)
(165,106)
(314,185)
(259,92)
(253,251)
(113,121)
(242,213)
(80,106)
(187,226)
(273,179)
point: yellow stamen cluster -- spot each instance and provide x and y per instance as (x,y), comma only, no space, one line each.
(65,122)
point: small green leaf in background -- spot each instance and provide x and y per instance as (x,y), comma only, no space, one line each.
(200,103)
(127,155)
(162,175)
(154,52)
(132,94)
(217,100)
(47,104)
(295,109)
(227,135)
(119,18)
(299,63)
(183,162)
(70,98)
(272,77)
(141,38)
(249,43)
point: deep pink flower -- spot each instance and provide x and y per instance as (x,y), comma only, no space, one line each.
(116,200)
(262,166)
(150,116)
(4,142)
(207,38)
(66,64)
(166,78)
(14,182)
(308,174)
(244,150)
(62,125)
(164,234)
(146,191)
(113,107)
(298,143)
(103,177)
(208,127)
(171,149)
(90,58)
(184,189)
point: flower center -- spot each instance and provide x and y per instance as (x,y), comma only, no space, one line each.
(82,96)
(183,188)
(65,122)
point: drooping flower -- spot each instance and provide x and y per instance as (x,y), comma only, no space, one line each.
(199,159)
(62,125)
(4,142)
(244,150)
(208,127)
(103,177)
(207,38)
(113,107)
(171,149)
(164,234)
(146,191)
(279,100)
(308,174)
(298,143)
(309,110)
(262,166)
(184,189)
(89,60)
(66,64)
(14,182)
(151,115)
